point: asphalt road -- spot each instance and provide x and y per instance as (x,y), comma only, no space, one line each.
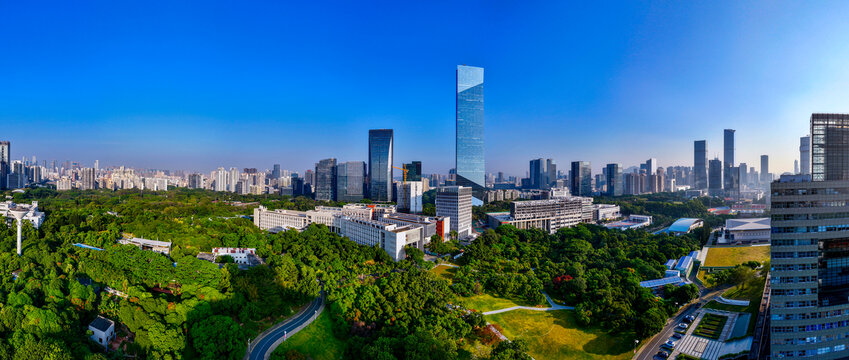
(649,349)
(262,350)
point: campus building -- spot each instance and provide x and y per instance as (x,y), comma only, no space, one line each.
(455,202)
(549,215)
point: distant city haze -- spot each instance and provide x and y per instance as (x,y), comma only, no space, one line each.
(198,85)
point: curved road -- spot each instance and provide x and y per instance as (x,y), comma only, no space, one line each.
(652,345)
(269,340)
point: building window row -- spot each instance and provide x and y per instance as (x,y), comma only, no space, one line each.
(794,254)
(815,191)
(793,242)
(823,216)
(807,204)
(808,229)
(793,292)
(794,267)
(795,304)
(809,353)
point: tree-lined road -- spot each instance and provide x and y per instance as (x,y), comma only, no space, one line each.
(265,343)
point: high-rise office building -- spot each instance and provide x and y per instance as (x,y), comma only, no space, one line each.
(805,155)
(728,162)
(410,195)
(380,150)
(795,166)
(470,161)
(581,179)
(809,306)
(744,174)
(350,181)
(455,202)
(96,165)
(700,174)
(543,172)
(651,166)
(766,177)
(614,179)
(275,174)
(5,163)
(715,177)
(325,180)
(414,171)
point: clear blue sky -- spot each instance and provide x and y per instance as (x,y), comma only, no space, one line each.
(200,84)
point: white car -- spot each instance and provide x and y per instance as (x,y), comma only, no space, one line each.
(682,326)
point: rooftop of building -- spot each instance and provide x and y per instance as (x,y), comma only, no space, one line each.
(101,323)
(501,216)
(747,224)
(683,224)
(662,282)
(136,240)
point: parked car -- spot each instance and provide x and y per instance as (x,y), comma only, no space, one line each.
(676,336)
(682,326)
(668,344)
(661,354)
(691,318)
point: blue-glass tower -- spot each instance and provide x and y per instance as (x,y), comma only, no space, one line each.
(470,165)
(380,164)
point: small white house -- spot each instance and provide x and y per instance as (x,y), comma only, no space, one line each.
(103,330)
(242,256)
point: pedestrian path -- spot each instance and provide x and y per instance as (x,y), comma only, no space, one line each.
(551,303)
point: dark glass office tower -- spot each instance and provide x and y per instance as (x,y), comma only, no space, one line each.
(728,174)
(614,179)
(542,172)
(809,307)
(470,162)
(325,180)
(414,171)
(581,181)
(5,164)
(350,181)
(380,150)
(700,174)
(715,174)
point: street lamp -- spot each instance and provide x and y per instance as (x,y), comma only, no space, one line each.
(635,345)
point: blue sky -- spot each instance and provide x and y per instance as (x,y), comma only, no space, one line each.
(196,85)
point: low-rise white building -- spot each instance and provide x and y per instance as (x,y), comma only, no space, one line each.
(746,231)
(606,212)
(390,237)
(162,247)
(33,215)
(242,256)
(103,330)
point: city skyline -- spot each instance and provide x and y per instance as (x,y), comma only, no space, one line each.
(115,98)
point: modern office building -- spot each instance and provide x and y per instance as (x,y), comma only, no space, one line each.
(5,164)
(275,174)
(809,306)
(414,171)
(805,155)
(651,166)
(325,180)
(700,174)
(766,177)
(455,202)
(728,175)
(470,160)
(715,177)
(380,151)
(350,181)
(744,174)
(614,179)
(581,179)
(542,172)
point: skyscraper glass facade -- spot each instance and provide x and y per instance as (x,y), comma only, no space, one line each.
(470,161)
(350,181)
(380,151)
(700,175)
(614,179)
(325,180)
(581,182)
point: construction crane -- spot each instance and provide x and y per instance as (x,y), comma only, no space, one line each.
(404,169)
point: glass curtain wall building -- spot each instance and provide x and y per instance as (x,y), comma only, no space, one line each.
(380,150)
(325,180)
(581,181)
(350,181)
(470,161)
(700,174)
(614,179)
(809,306)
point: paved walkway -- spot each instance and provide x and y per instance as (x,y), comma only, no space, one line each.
(261,347)
(551,303)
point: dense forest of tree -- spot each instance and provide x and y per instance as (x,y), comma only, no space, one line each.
(180,307)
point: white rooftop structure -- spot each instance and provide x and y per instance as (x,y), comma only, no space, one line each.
(162,247)
(32,214)
(746,231)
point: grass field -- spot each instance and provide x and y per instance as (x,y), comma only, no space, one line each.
(446,272)
(736,255)
(556,335)
(485,302)
(316,341)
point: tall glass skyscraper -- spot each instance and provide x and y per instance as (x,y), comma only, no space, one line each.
(350,181)
(470,162)
(380,150)
(581,179)
(614,179)
(325,180)
(809,307)
(728,173)
(700,174)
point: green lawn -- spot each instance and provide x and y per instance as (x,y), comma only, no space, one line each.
(735,255)
(485,302)
(446,272)
(316,341)
(751,292)
(556,335)
(711,326)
